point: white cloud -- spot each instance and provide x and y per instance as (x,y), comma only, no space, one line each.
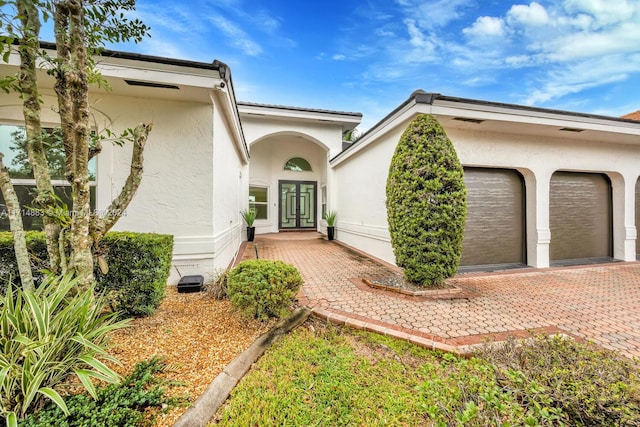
(567,47)
(168,49)
(532,15)
(338,57)
(169,17)
(604,12)
(485,27)
(434,13)
(238,37)
(266,22)
(584,75)
(423,46)
(518,61)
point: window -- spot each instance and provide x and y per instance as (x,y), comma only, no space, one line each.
(324,200)
(297,164)
(259,201)
(12,145)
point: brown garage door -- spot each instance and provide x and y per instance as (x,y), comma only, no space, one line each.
(494,231)
(580,216)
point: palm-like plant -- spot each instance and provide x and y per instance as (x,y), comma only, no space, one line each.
(330,217)
(249,216)
(46,335)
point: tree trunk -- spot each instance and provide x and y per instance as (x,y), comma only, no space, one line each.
(17,230)
(44,200)
(73,91)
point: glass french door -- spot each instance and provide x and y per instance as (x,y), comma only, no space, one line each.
(298,205)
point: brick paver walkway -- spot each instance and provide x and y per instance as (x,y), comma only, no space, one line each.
(599,303)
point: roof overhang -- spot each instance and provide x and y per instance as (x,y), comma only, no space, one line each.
(154,77)
(346,120)
(491,117)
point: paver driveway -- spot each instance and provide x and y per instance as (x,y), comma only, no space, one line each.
(599,303)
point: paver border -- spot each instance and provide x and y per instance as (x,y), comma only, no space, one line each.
(205,407)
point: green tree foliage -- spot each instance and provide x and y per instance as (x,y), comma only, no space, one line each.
(54,151)
(426,203)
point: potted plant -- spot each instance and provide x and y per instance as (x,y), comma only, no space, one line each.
(249,216)
(330,217)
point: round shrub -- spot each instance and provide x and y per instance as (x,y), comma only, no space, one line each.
(263,288)
(426,203)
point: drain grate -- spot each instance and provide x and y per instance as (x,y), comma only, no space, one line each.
(190,283)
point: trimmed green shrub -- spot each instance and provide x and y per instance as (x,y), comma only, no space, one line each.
(587,386)
(139,265)
(8,264)
(263,288)
(125,404)
(46,335)
(426,203)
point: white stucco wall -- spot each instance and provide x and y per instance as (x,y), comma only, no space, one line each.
(327,133)
(188,150)
(360,178)
(268,158)
(358,196)
(230,193)
(276,134)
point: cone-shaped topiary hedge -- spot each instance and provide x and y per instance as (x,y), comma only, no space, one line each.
(426,203)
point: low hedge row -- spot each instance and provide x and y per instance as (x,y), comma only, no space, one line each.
(139,265)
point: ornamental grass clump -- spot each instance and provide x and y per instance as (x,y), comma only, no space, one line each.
(262,288)
(426,203)
(45,336)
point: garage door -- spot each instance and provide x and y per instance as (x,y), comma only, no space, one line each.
(494,231)
(580,216)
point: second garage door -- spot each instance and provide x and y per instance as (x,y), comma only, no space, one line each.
(580,216)
(494,230)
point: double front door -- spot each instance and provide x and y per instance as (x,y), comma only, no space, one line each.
(298,207)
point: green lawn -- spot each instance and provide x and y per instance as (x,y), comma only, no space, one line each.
(322,375)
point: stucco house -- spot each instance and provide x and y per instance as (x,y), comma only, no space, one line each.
(545,187)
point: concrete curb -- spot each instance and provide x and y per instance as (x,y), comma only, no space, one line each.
(205,407)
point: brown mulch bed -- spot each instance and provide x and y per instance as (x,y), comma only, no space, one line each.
(197,336)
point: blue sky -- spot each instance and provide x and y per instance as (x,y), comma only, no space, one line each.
(369,55)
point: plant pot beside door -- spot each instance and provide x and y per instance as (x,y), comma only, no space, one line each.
(330,217)
(249,217)
(331,233)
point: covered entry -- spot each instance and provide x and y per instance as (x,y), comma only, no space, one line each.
(580,216)
(495,226)
(298,205)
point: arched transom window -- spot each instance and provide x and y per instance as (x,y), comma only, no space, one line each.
(297,164)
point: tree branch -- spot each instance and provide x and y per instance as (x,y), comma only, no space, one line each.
(61,22)
(17,229)
(104,223)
